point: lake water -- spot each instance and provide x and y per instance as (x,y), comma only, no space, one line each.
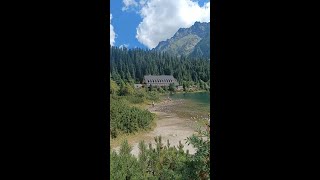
(192,104)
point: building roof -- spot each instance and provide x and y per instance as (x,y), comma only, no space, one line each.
(162,79)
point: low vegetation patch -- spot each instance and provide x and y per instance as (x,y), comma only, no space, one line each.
(163,161)
(127,119)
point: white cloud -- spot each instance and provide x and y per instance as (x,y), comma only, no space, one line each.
(142,2)
(163,18)
(128,4)
(112,33)
(124,45)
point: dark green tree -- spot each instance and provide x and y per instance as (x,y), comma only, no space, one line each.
(172,87)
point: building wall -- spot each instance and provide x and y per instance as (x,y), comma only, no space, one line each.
(159,84)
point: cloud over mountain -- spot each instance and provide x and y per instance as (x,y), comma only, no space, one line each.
(162,18)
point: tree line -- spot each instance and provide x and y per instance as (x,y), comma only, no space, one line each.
(131,65)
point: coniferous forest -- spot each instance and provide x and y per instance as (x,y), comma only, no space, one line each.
(131,65)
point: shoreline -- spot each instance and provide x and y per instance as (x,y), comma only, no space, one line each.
(168,125)
(180,92)
(198,91)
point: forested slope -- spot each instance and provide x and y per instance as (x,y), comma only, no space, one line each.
(133,64)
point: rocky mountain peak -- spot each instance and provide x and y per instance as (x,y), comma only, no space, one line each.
(192,41)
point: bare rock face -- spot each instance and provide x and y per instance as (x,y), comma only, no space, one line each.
(193,42)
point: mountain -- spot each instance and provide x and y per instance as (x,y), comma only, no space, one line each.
(193,41)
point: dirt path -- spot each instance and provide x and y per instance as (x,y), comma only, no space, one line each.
(169,126)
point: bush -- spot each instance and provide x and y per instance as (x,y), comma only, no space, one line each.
(135,99)
(163,161)
(153,96)
(124,165)
(160,90)
(172,87)
(201,160)
(126,89)
(114,133)
(114,88)
(126,119)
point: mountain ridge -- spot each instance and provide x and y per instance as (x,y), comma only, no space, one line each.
(192,42)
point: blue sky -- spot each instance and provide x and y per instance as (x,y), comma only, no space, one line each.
(125,24)
(144,23)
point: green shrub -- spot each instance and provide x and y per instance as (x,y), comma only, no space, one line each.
(172,87)
(162,161)
(153,96)
(126,119)
(135,99)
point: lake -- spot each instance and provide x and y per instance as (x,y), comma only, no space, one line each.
(191,104)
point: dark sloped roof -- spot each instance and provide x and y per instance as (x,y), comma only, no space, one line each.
(160,79)
(163,77)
